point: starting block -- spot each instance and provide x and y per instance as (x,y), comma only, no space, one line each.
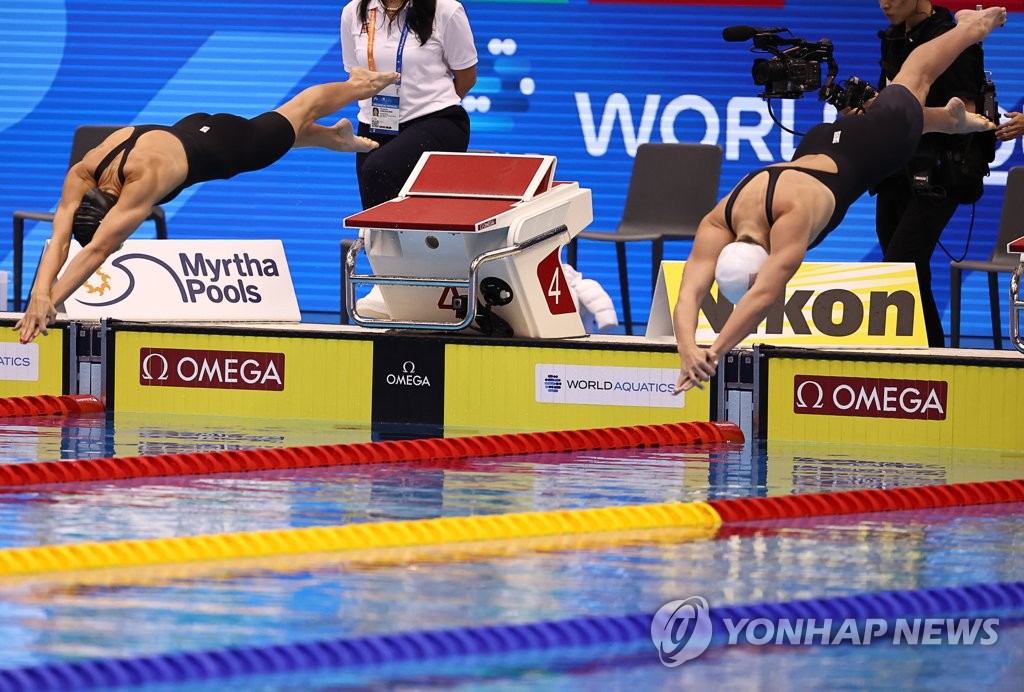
(1016,301)
(473,237)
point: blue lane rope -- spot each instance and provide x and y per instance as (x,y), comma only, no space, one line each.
(420,646)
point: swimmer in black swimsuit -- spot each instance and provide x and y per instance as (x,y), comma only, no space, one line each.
(111,191)
(784,209)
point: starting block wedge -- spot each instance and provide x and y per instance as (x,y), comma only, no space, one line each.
(1016,301)
(473,237)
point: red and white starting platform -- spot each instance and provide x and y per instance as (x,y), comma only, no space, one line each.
(473,237)
(1016,302)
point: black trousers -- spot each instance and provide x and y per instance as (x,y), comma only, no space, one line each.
(909,226)
(383,171)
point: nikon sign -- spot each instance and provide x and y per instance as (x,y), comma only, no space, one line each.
(836,304)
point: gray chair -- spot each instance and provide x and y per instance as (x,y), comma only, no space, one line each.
(87,137)
(1011,227)
(671,188)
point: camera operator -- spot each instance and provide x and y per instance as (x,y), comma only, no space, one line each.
(754,240)
(914,205)
(1012,127)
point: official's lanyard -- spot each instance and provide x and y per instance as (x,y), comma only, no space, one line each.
(371,34)
(385,107)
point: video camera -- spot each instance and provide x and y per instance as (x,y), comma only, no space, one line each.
(795,68)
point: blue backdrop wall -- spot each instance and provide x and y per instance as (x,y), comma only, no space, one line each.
(587,81)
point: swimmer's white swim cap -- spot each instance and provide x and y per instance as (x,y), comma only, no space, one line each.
(737,268)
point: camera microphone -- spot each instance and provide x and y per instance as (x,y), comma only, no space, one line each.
(742,33)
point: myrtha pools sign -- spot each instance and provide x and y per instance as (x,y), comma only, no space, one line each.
(204,280)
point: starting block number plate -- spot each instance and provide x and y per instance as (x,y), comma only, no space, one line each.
(553,285)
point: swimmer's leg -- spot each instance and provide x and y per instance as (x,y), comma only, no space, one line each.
(929,60)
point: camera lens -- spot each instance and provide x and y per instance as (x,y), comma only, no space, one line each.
(765,71)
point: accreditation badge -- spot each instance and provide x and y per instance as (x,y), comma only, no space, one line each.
(384,114)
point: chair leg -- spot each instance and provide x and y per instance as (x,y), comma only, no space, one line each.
(570,254)
(346,244)
(993,298)
(161,226)
(657,254)
(954,307)
(19,260)
(620,255)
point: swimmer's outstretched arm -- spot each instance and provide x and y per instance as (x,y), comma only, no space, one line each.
(48,291)
(41,310)
(789,246)
(696,365)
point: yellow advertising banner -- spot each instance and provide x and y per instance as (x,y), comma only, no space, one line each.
(871,401)
(31,369)
(826,303)
(242,375)
(544,388)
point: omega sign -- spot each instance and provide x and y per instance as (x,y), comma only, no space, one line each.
(408,377)
(868,397)
(172,367)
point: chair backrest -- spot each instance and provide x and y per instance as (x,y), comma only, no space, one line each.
(1011,219)
(671,188)
(88,137)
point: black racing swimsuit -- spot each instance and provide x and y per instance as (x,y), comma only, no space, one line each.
(867,148)
(216,146)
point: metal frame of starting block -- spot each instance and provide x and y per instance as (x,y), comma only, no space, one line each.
(470,229)
(1016,302)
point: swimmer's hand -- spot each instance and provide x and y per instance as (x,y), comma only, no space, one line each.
(696,366)
(39,315)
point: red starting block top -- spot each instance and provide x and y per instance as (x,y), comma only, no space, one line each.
(1016,245)
(460,192)
(431,213)
(481,175)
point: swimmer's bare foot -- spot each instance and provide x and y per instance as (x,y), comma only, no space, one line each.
(987,20)
(344,139)
(369,83)
(964,122)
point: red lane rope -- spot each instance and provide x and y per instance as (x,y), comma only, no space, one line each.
(49,405)
(234,461)
(868,501)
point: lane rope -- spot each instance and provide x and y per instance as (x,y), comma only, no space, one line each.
(49,405)
(388,534)
(391,451)
(397,534)
(597,632)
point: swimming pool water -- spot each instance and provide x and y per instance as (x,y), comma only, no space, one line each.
(196,606)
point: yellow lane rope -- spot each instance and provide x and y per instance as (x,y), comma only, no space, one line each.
(354,537)
(44,588)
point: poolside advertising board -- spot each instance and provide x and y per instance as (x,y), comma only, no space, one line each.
(190,281)
(559,388)
(897,399)
(35,368)
(826,303)
(257,374)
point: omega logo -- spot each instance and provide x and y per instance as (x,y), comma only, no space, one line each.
(820,391)
(147,374)
(170,367)
(870,397)
(408,377)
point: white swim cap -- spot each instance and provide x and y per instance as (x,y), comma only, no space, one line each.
(737,268)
